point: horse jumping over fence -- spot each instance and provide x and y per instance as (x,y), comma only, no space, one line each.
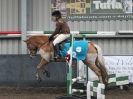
(93,59)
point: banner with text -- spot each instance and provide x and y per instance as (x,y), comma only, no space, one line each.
(94,9)
(120,64)
(114,65)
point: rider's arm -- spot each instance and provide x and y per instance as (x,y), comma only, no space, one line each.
(57,30)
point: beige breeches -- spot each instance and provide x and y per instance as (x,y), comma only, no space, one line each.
(60,38)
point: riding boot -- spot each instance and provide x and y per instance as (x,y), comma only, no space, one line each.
(56,53)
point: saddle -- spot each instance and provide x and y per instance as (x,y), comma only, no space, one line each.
(59,47)
(80,49)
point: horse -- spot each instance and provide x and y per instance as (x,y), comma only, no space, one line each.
(40,43)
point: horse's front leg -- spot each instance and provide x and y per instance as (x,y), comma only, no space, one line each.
(40,69)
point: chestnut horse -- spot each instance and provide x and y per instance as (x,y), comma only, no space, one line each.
(94,59)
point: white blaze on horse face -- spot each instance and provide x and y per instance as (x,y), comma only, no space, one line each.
(44,55)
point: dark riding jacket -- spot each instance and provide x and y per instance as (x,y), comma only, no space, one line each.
(61,28)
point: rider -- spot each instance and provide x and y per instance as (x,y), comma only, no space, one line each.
(61,32)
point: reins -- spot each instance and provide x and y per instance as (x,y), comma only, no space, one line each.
(43,44)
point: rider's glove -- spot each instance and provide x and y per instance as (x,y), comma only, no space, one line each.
(50,38)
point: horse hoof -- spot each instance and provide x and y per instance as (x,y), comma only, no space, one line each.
(47,73)
(39,80)
(126,87)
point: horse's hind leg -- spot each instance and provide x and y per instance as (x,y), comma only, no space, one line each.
(40,69)
(90,62)
(101,66)
(94,68)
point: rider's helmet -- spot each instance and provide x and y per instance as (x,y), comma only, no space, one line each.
(56,14)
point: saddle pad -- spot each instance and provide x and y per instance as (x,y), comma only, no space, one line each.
(80,49)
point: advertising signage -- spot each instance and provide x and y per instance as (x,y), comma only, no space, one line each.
(94,9)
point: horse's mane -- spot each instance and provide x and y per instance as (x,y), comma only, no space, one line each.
(37,39)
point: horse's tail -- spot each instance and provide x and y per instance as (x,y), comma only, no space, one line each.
(100,62)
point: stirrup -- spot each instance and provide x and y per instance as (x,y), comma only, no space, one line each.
(54,58)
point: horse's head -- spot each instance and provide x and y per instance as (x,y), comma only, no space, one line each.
(32,48)
(34,43)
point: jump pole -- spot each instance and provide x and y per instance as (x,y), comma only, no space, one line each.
(70,79)
(69,74)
